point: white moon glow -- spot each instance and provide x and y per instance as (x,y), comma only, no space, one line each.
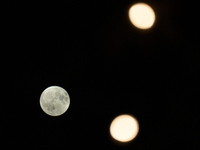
(54,101)
(124,128)
(142,16)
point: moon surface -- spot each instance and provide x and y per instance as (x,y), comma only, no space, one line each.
(54,100)
(124,128)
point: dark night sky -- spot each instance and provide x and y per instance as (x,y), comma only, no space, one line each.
(108,67)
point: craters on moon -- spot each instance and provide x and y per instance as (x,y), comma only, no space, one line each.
(54,100)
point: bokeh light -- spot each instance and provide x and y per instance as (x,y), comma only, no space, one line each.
(124,128)
(142,16)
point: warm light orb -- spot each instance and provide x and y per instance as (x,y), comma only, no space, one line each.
(142,16)
(124,128)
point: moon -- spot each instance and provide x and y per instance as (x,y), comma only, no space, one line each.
(142,16)
(124,128)
(54,101)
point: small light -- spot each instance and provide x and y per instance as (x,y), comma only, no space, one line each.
(124,128)
(142,16)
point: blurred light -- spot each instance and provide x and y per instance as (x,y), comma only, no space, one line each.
(142,16)
(124,128)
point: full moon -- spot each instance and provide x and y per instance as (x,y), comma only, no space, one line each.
(124,128)
(54,101)
(142,16)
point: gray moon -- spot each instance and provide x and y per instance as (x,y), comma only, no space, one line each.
(54,101)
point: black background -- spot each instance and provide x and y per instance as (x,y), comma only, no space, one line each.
(108,67)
